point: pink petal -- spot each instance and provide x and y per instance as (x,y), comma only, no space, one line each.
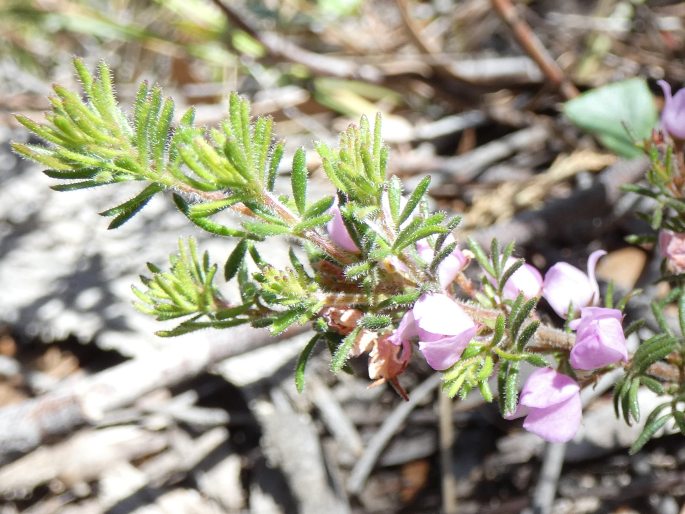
(406,330)
(566,285)
(673,113)
(588,314)
(526,280)
(599,343)
(591,265)
(558,423)
(546,387)
(338,233)
(439,314)
(443,353)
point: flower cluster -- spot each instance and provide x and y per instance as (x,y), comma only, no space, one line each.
(549,399)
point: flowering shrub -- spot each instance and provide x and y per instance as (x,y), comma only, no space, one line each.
(372,269)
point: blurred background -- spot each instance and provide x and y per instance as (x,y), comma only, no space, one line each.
(97,414)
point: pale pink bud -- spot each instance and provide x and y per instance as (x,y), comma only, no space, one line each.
(673,113)
(599,338)
(551,403)
(443,328)
(672,247)
(526,280)
(338,233)
(566,285)
(451,265)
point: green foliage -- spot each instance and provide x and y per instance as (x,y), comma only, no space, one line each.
(302,362)
(651,352)
(358,167)
(472,370)
(187,289)
(619,114)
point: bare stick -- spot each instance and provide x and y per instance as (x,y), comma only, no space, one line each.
(389,428)
(449,490)
(546,488)
(26,425)
(534,48)
(279,47)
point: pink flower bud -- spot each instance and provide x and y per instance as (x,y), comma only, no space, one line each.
(443,328)
(450,267)
(526,280)
(551,403)
(566,285)
(672,247)
(337,231)
(673,113)
(599,338)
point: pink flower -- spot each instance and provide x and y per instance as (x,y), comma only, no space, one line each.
(443,328)
(526,280)
(551,403)
(673,114)
(672,247)
(566,285)
(405,331)
(450,267)
(337,231)
(599,338)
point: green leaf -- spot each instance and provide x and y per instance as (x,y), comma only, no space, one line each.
(375,322)
(527,333)
(235,259)
(606,112)
(499,330)
(261,230)
(283,321)
(299,180)
(481,257)
(394,199)
(302,362)
(648,432)
(414,199)
(506,275)
(311,223)
(276,156)
(127,210)
(342,352)
(319,207)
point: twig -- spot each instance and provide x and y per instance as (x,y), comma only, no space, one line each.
(334,417)
(570,216)
(449,489)
(464,168)
(442,65)
(390,426)
(26,425)
(546,488)
(280,47)
(534,48)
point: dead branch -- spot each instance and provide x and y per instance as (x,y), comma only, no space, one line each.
(26,425)
(534,47)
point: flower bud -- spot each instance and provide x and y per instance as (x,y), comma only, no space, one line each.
(338,233)
(566,285)
(551,403)
(672,247)
(443,328)
(450,266)
(673,113)
(599,338)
